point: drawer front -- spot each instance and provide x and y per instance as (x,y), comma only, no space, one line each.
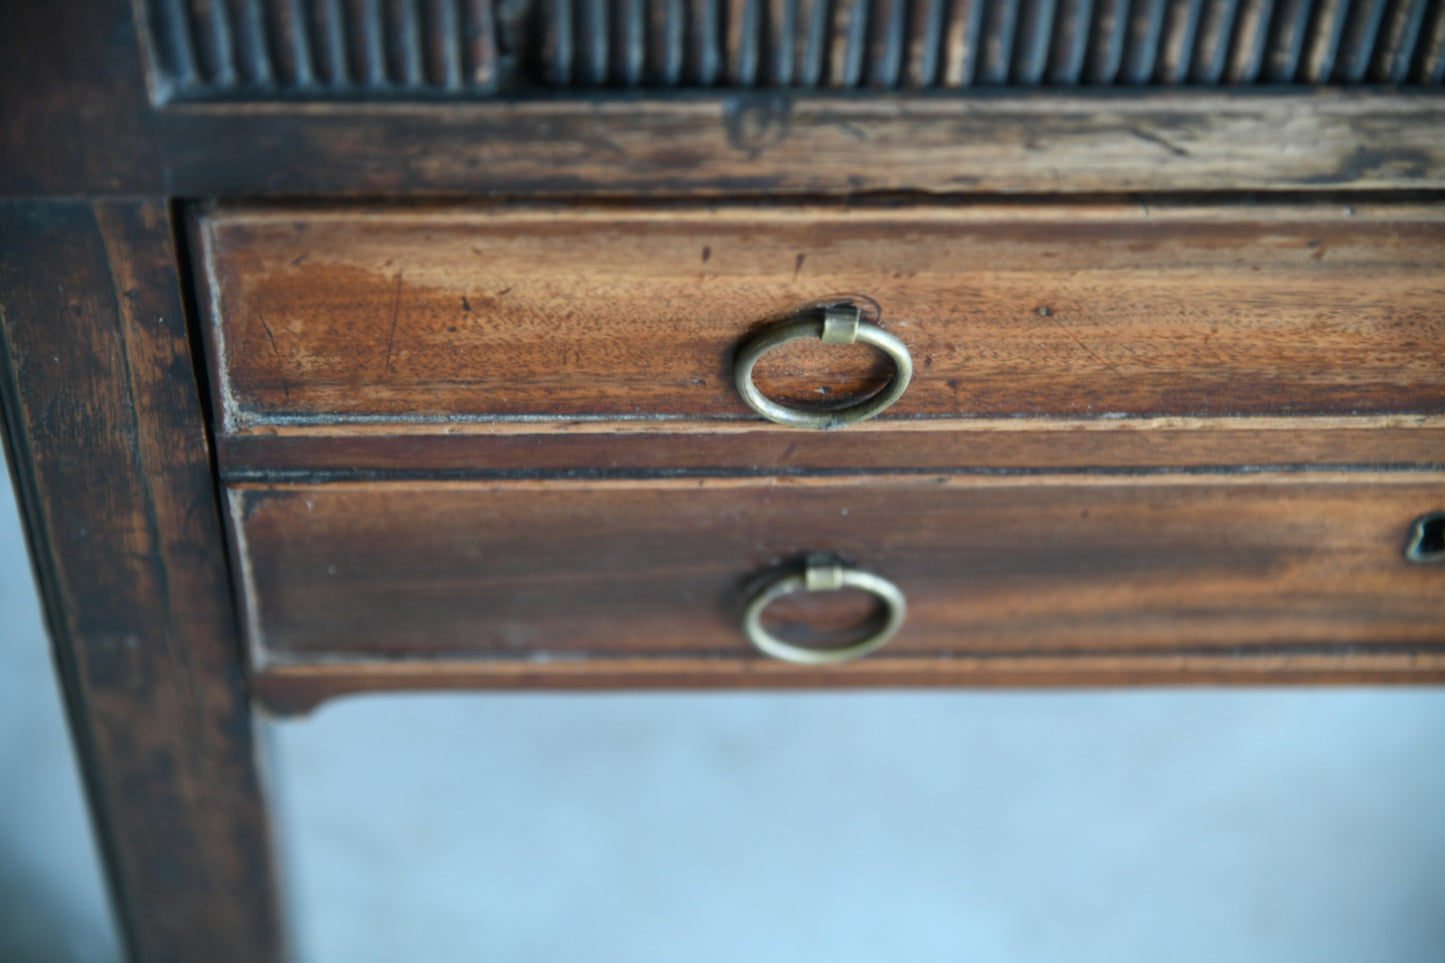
(570,572)
(328,317)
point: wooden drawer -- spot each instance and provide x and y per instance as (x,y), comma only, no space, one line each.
(334,317)
(543,581)
(502,446)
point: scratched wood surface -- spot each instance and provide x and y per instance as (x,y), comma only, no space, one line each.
(1065,311)
(80,59)
(526,572)
(109,455)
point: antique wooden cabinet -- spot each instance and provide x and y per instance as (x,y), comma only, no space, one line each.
(469,344)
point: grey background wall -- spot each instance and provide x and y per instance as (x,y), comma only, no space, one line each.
(1179,825)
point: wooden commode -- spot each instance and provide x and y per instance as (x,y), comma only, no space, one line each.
(478,344)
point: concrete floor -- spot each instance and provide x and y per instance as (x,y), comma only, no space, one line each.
(1188,825)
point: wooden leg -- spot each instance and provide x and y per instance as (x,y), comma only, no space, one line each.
(109,452)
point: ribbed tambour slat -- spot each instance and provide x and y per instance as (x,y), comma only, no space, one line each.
(885,53)
(173,45)
(556,43)
(252,56)
(810,43)
(781,25)
(212,27)
(1396,44)
(847,42)
(1323,42)
(1357,42)
(629,41)
(257,49)
(1430,59)
(743,21)
(329,31)
(443,36)
(925,31)
(1176,44)
(961,38)
(1286,40)
(479,44)
(1141,41)
(591,42)
(1216,25)
(704,43)
(1245,62)
(406,49)
(367,48)
(1107,37)
(665,20)
(1070,42)
(1000,26)
(1031,42)
(291,39)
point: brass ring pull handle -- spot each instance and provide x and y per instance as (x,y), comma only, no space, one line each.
(823,573)
(838,324)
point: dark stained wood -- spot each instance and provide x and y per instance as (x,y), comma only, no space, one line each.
(666,26)
(73,100)
(1141,48)
(1251,31)
(557,43)
(1216,33)
(961,42)
(742,20)
(867,45)
(1322,46)
(1088,311)
(1357,44)
(288,689)
(1015,444)
(776,142)
(1395,46)
(1070,41)
(811,41)
(884,65)
(704,43)
(542,571)
(629,41)
(924,42)
(1108,33)
(996,41)
(79,119)
(1286,39)
(1177,40)
(1430,62)
(479,45)
(110,460)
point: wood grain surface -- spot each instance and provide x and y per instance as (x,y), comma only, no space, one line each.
(300,688)
(490,449)
(80,120)
(532,572)
(109,455)
(322,315)
(1151,312)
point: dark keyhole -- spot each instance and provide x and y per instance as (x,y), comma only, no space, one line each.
(1427,538)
